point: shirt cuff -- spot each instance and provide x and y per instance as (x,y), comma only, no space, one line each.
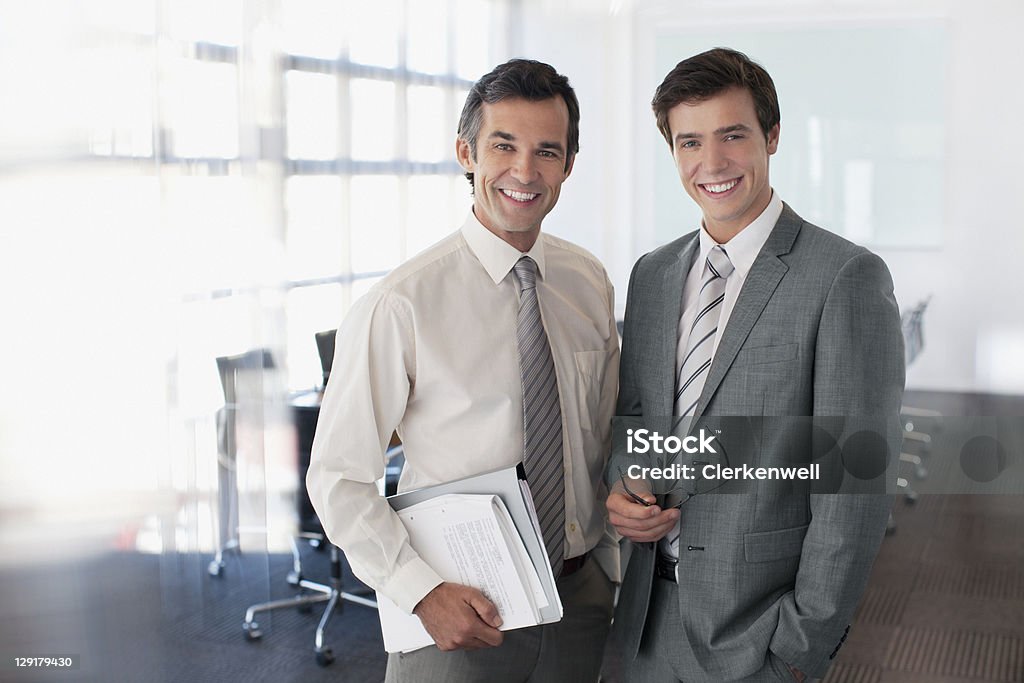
(411,583)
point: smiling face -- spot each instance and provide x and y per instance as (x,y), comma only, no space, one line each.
(722,158)
(519,166)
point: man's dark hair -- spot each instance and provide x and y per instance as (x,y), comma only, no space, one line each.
(703,76)
(525,78)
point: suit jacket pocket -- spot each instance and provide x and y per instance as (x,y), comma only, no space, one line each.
(759,355)
(778,544)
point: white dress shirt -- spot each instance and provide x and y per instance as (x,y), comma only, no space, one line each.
(742,250)
(431,352)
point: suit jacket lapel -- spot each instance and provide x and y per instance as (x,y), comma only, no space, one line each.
(667,336)
(763,278)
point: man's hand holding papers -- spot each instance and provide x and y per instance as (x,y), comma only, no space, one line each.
(459,617)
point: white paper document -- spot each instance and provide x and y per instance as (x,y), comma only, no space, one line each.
(468,539)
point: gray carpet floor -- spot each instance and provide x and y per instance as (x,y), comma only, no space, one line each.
(945,603)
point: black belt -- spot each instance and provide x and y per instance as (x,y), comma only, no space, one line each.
(573,565)
(665,567)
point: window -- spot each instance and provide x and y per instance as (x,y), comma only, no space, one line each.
(323,170)
(241,179)
(375,111)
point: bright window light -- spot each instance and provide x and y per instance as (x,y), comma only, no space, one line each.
(130,16)
(314,236)
(217,22)
(310,310)
(375,223)
(314,28)
(373,32)
(119,110)
(473,38)
(373,119)
(201,102)
(312,115)
(459,101)
(428,212)
(426,47)
(426,125)
(215,236)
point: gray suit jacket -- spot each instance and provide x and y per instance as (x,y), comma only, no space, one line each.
(815,332)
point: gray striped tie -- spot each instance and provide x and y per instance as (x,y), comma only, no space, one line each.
(542,418)
(697,361)
(693,371)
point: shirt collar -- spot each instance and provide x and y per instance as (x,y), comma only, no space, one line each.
(746,245)
(495,254)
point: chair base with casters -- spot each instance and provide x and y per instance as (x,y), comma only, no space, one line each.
(216,566)
(330,593)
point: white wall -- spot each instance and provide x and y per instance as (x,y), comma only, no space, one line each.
(974,327)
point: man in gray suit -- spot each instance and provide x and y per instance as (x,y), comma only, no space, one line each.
(759,314)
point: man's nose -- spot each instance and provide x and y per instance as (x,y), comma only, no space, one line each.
(715,159)
(524,168)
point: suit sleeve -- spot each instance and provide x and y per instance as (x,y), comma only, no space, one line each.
(858,376)
(607,549)
(373,371)
(628,403)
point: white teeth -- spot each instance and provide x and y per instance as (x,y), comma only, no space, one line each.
(722,187)
(519,196)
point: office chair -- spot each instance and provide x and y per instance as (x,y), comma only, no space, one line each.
(311,592)
(231,368)
(331,593)
(912,323)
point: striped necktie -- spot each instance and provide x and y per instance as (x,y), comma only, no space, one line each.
(693,371)
(697,360)
(542,418)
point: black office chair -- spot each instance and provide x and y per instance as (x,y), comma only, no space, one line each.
(311,592)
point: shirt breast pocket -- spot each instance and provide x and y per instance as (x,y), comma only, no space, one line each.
(591,367)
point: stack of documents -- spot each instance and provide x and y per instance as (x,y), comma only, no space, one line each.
(475,539)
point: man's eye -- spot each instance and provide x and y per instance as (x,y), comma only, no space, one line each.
(546,153)
(687,144)
(734,136)
(503,146)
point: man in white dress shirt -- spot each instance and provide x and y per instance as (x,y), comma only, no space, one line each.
(432,352)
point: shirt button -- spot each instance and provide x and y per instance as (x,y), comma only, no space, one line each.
(572,527)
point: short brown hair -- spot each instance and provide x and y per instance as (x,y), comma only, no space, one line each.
(529,80)
(705,75)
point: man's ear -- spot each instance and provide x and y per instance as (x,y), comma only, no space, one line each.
(773,139)
(464,153)
(568,169)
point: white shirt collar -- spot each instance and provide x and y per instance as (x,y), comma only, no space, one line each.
(495,254)
(746,245)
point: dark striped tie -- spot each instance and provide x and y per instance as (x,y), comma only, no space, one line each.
(693,371)
(542,418)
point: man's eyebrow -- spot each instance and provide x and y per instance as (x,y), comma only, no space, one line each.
(736,127)
(557,146)
(544,144)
